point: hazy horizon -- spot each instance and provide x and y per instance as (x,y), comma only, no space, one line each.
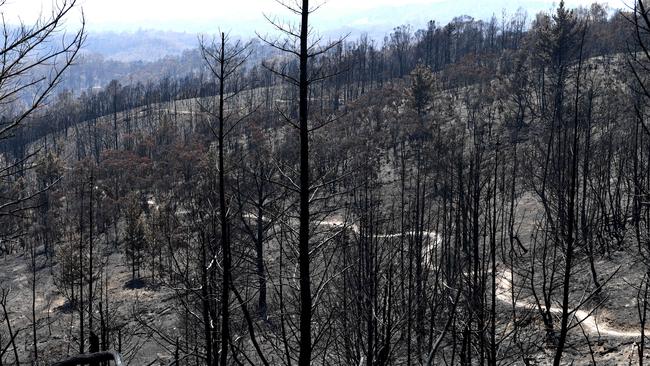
(244,18)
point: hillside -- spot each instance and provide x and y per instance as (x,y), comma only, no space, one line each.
(468,194)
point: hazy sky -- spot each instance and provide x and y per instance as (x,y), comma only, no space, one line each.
(242,15)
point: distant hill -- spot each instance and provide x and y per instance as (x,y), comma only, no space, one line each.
(150,43)
(143,45)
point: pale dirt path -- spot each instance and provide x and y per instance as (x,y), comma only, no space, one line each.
(504,292)
(587,318)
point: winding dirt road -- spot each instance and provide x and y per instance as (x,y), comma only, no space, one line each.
(504,292)
(586,318)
